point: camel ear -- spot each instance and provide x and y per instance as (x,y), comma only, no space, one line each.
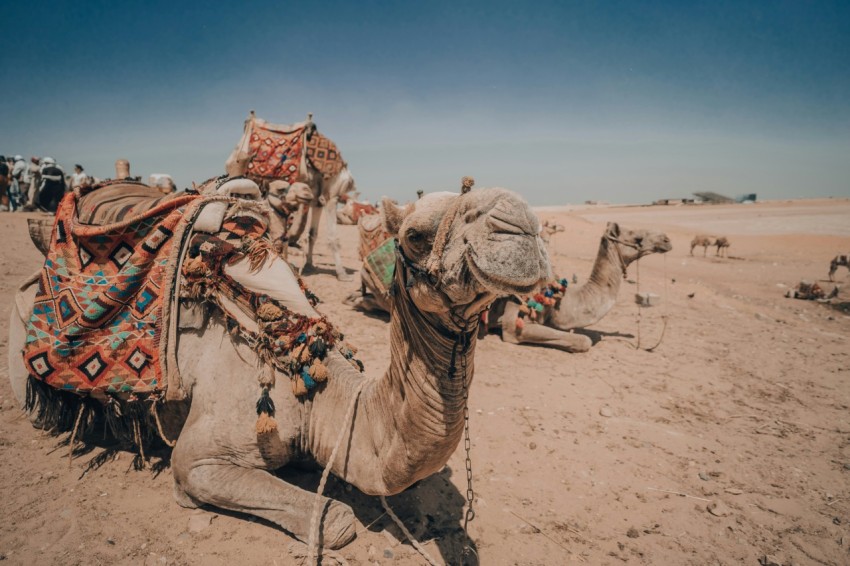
(613,230)
(393,215)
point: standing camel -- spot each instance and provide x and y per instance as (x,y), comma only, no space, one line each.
(722,244)
(838,261)
(302,157)
(704,241)
(456,254)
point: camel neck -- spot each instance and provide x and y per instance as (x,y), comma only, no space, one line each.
(609,267)
(408,422)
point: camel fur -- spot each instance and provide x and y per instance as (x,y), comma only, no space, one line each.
(406,422)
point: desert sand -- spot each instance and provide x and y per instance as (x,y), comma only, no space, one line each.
(729,442)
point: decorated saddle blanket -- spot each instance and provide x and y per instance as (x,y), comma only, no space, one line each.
(324,155)
(116,201)
(277,151)
(98,317)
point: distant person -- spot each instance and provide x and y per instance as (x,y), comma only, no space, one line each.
(419,193)
(16,190)
(79,178)
(34,180)
(4,184)
(52,185)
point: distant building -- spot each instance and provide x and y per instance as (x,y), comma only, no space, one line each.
(713,198)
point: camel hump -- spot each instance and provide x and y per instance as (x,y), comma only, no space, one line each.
(40,231)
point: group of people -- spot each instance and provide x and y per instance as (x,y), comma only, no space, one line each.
(37,185)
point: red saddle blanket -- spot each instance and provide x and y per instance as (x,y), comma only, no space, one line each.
(98,318)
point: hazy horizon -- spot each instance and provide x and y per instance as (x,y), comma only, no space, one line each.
(563,103)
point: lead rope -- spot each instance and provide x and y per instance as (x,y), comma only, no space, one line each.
(640,309)
(313,541)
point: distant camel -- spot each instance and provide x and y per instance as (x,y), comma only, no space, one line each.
(704,241)
(838,261)
(547,230)
(722,244)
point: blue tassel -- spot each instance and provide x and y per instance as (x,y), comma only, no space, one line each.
(305,375)
(301,338)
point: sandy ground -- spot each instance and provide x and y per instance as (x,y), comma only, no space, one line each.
(613,456)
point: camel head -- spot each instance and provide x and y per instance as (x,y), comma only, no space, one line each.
(462,251)
(634,244)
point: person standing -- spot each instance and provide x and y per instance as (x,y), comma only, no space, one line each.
(16,190)
(52,185)
(78,179)
(34,181)
(4,184)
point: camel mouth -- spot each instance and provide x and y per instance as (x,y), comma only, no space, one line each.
(525,276)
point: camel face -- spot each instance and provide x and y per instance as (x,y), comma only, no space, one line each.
(474,246)
(643,242)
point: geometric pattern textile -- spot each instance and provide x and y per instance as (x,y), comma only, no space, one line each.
(324,155)
(97,322)
(277,154)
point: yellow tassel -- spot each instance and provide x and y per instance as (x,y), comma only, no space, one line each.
(296,351)
(269,312)
(351,347)
(266,424)
(195,266)
(298,387)
(318,371)
(304,356)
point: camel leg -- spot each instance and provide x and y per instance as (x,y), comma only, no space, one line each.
(333,241)
(553,338)
(312,234)
(210,480)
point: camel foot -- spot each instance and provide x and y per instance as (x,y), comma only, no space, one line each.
(308,269)
(344,276)
(338,526)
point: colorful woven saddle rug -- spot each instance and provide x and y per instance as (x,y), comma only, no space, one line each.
(96,326)
(277,150)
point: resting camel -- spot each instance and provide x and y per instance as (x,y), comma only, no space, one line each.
(326,187)
(838,261)
(579,307)
(547,230)
(456,254)
(704,241)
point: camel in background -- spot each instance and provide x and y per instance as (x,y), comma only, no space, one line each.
(838,261)
(722,244)
(320,169)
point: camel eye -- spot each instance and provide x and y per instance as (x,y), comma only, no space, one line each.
(414,237)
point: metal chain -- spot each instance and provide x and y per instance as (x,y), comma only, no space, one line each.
(467,444)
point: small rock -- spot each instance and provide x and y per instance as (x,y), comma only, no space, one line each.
(632,533)
(532,445)
(734,491)
(200,521)
(110,541)
(718,509)
(769,560)
(647,299)
(388,553)
(836,520)
(606,412)
(704,476)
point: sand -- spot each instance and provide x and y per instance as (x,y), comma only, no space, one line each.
(729,442)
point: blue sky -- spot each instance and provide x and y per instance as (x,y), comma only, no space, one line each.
(561,101)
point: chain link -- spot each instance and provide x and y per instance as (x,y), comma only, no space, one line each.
(467,444)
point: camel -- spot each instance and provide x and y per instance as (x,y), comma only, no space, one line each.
(704,241)
(838,261)
(456,254)
(327,186)
(578,308)
(550,229)
(722,244)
